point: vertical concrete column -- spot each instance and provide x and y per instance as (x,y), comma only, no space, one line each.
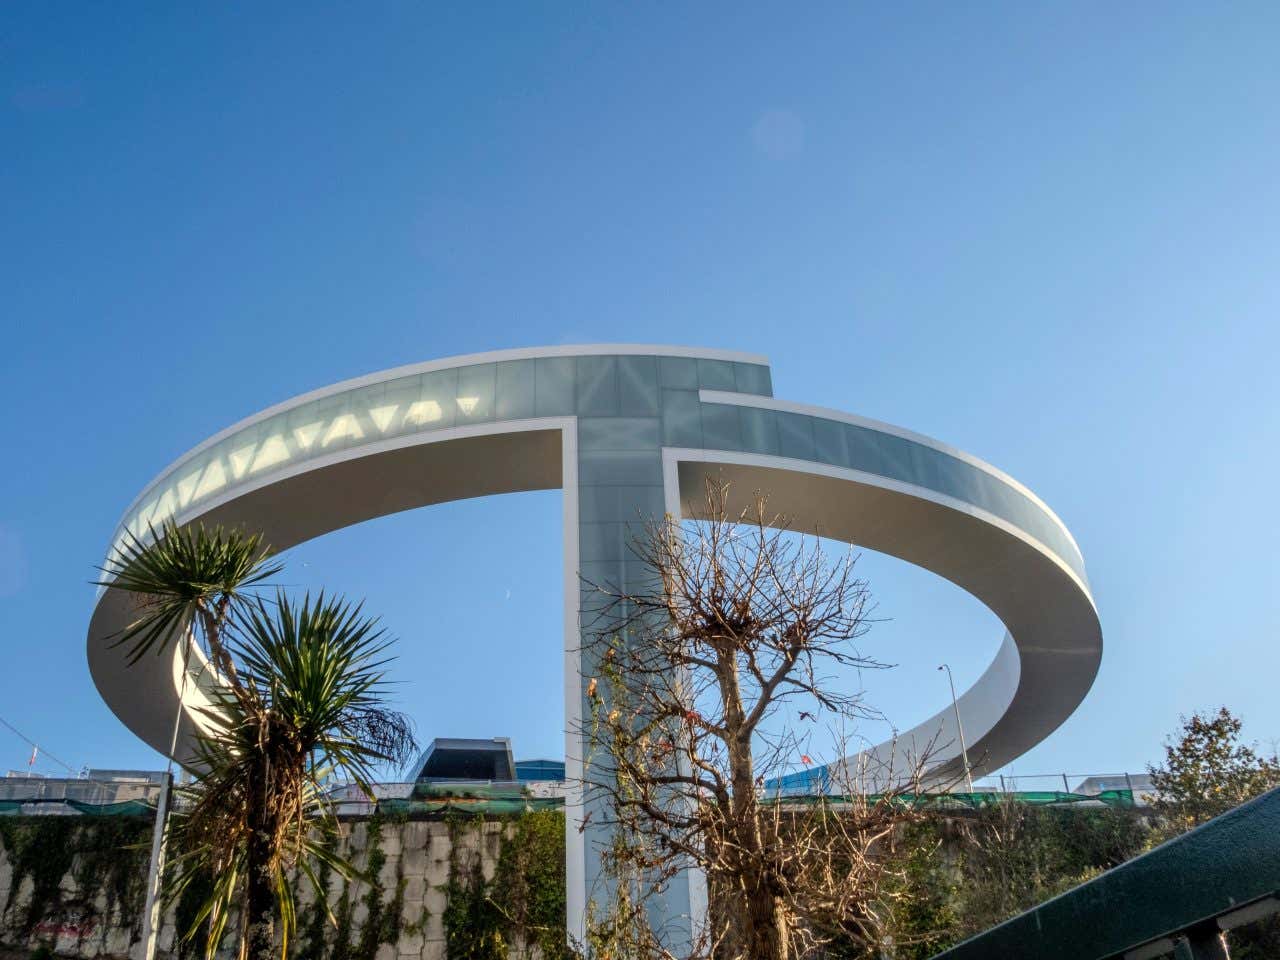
(619,489)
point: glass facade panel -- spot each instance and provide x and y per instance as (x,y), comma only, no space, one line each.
(399,408)
(678,373)
(716,375)
(721,428)
(537,771)
(795,436)
(608,576)
(475,393)
(437,405)
(212,478)
(598,386)
(996,497)
(618,433)
(554,386)
(638,386)
(628,575)
(602,541)
(272,450)
(829,442)
(293,436)
(759,430)
(241,449)
(926,470)
(880,453)
(681,418)
(341,429)
(953,477)
(363,402)
(624,467)
(753,378)
(513,390)
(626,504)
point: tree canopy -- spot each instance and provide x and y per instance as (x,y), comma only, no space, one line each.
(1207,770)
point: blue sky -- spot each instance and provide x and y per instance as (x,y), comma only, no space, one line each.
(1047,236)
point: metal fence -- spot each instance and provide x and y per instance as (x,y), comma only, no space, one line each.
(136,791)
(79,795)
(1036,787)
(1078,784)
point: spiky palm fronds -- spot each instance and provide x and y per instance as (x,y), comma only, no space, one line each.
(295,705)
(314,675)
(213,836)
(184,578)
(320,667)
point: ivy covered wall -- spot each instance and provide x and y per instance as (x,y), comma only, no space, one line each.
(76,881)
(464,887)
(458,887)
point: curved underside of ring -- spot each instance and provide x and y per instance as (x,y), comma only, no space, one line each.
(1053,647)
(319,500)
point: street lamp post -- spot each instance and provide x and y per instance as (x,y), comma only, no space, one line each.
(964,752)
(151,914)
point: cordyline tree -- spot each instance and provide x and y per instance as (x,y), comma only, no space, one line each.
(293,700)
(695,678)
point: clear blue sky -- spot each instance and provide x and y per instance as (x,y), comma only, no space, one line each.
(1050,236)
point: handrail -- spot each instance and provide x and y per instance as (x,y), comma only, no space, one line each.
(1221,874)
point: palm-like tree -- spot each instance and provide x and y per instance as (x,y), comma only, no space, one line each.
(296,703)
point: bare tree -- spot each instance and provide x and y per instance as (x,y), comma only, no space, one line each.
(706,683)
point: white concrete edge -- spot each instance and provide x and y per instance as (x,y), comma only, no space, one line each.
(793,465)
(575,846)
(982,706)
(699,899)
(827,413)
(192,700)
(445,363)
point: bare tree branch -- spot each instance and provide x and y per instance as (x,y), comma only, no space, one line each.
(690,674)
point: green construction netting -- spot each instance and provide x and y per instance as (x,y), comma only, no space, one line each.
(471,791)
(482,798)
(973,801)
(1034,798)
(125,808)
(428,798)
(470,805)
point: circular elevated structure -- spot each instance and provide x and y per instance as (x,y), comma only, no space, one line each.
(630,432)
